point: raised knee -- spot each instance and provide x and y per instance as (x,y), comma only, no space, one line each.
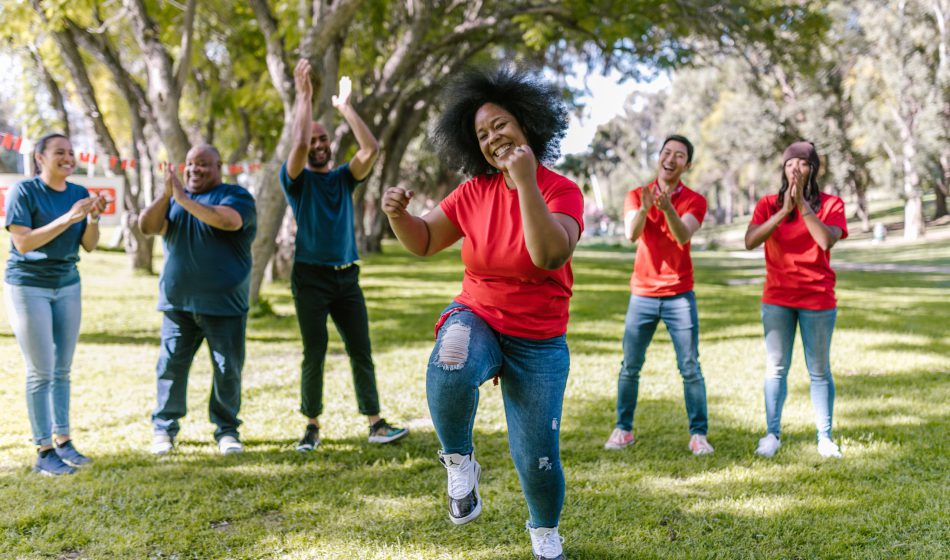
(453,348)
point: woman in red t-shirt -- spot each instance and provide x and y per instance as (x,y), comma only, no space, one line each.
(519,222)
(799,226)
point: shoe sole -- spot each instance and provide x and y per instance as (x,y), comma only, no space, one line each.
(44,472)
(307,448)
(75,465)
(389,439)
(616,447)
(478,505)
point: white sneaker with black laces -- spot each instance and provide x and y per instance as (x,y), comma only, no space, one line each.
(465,503)
(546,543)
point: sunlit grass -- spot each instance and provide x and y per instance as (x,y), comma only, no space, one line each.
(887,499)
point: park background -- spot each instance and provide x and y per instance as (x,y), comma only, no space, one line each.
(867,81)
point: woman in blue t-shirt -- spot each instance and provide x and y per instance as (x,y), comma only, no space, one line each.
(48,219)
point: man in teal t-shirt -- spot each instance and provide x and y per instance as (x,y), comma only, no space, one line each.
(207,228)
(325,279)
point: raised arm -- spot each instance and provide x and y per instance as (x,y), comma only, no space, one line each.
(303,115)
(362,162)
(423,236)
(550,237)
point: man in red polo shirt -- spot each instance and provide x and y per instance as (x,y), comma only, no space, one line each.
(663,216)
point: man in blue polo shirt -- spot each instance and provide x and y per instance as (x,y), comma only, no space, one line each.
(207,227)
(325,279)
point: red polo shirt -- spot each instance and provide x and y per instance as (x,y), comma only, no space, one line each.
(663,267)
(501,285)
(797,271)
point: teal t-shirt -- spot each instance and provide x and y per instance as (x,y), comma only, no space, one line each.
(33,204)
(208,270)
(323,207)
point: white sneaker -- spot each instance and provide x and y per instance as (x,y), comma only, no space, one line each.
(465,503)
(162,444)
(546,543)
(699,445)
(828,449)
(768,445)
(229,445)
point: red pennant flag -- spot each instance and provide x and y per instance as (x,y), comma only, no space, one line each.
(124,164)
(95,159)
(132,163)
(112,162)
(17,142)
(161,167)
(7,140)
(84,157)
(181,167)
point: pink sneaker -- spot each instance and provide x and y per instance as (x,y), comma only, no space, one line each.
(699,445)
(619,439)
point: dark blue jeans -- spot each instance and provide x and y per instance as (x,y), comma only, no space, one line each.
(533,378)
(182,335)
(679,315)
(320,291)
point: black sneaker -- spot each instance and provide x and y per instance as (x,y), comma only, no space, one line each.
(310,439)
(70,455)
(382,432)
(465,503)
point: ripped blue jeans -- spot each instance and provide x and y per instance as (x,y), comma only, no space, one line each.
(533,374)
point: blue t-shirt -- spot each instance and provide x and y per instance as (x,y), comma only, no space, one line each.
(323,207)
(208,270)
(32,203)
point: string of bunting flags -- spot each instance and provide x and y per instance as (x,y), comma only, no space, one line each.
(14,143)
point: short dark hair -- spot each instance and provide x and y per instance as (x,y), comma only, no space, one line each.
(536,105)
(683,140)
(40,147)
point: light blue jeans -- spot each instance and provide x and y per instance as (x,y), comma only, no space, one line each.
(817,327)
(533,374)
(45,322)
(679,315)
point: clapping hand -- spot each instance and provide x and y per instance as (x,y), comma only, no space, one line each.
(173,186)
(664,203)
(647,198)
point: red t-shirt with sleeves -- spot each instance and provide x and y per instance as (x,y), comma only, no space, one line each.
(501,284)
(797,272)
(663,267)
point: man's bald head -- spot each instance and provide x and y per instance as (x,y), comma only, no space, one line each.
(202,168)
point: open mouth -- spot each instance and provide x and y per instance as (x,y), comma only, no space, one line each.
(502,150)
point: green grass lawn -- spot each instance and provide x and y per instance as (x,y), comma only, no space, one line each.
(888,498)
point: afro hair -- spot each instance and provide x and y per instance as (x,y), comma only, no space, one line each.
(535,104)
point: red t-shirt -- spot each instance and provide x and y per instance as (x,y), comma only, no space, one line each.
(797,272)
(663,267)
(501,284)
